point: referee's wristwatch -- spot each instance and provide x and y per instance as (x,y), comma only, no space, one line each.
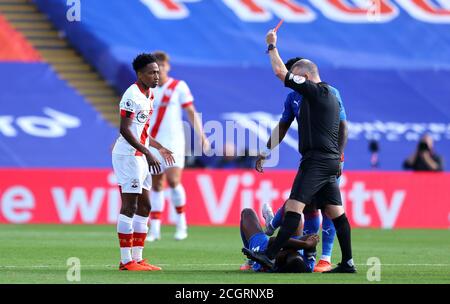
(270,47)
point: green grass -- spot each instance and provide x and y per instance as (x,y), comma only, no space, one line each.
(38,254)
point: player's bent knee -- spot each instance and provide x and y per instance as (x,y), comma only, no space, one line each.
(128,209)
(173,179)
(129,204)
(157,182)
(144,208)
(333,211)
(247,212)
(294,206)
(173,183)
(157,187)
(143,211)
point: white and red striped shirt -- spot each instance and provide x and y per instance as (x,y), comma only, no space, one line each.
(135,101)
(166,125)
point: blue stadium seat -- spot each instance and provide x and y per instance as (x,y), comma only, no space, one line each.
(394,85)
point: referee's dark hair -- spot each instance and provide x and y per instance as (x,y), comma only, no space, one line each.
(142,60)
(291,62)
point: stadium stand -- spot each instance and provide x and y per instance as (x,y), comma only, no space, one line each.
(44,122)
(54,49)
(214,47)
(14,46)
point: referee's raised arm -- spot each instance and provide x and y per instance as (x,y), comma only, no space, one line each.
(304,82)
(277,63)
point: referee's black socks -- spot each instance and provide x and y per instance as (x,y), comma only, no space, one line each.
(343,233)
(287,229)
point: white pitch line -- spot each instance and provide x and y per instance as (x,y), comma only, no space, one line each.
(198,264)
(405,264)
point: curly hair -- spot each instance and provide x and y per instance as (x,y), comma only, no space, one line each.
(142,60)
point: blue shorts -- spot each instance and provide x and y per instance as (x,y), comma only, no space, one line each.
(258,243)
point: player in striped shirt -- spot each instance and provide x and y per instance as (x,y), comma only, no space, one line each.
(172,96)
(131,159)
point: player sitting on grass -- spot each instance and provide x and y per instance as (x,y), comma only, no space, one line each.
(290,259)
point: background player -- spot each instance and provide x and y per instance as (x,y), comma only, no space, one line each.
(294,254)
(132,159)
(312,216)
(171,96)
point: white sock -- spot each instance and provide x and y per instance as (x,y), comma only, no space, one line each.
(181,221)
(178,198)
(140,232)
(326,258)
(125,255)
(158,202)
(125,232)
(155,228)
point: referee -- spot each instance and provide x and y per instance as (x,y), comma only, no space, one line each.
(318,133)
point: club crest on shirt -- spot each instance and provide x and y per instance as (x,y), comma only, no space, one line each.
(134,183)
(142,116)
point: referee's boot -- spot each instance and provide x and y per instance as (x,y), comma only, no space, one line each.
(342,268)
(260,258)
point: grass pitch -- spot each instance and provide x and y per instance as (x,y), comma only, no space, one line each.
(39,253)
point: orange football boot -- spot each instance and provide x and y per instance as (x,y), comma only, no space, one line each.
(322,266)
(246,266)
(150,266)
(133,266)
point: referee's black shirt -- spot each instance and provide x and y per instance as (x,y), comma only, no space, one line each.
(319,118)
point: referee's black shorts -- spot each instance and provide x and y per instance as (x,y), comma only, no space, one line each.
(316,183)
